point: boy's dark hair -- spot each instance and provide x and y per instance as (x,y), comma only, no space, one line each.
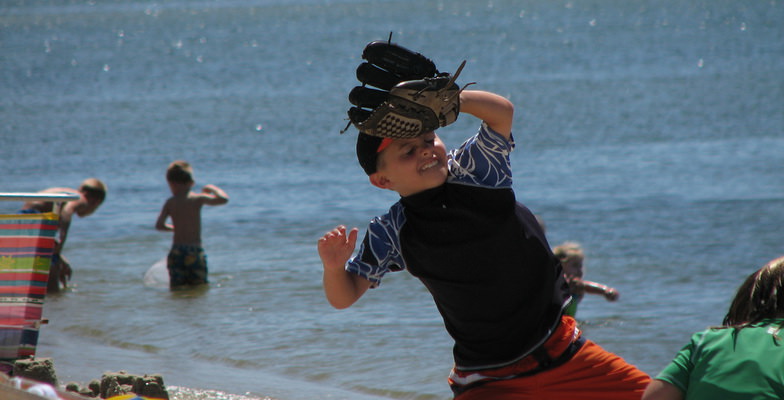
(179,172)
(760,297)
(368,149)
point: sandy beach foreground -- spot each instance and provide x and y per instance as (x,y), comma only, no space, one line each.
(36,379)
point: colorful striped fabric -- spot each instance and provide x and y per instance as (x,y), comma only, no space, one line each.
(26,245)
(18,340)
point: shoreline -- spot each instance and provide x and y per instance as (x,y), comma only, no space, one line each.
(36,378)
(80,359)
(232,386)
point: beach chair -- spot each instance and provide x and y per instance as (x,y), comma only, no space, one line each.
(27,242)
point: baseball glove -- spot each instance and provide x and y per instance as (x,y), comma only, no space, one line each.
(409,96)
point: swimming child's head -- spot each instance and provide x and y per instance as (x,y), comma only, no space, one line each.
(761,296)
(407,166)
(179,172)
(94,192)
(572,256)
(93,188)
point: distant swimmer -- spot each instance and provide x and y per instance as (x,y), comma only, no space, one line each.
(187,262)
(92,193)
(572,257)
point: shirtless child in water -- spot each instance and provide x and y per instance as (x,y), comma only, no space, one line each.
(92,193)
(187,262)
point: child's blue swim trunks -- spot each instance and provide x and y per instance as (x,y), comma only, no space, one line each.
(187,265)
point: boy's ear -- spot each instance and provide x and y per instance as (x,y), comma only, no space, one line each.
(378,180)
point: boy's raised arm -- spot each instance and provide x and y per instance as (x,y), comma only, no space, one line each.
(216,195)
(335,248)
(493,109)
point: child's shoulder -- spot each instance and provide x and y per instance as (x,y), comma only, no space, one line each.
(59,190)
(199,199)
(390,221)
(483,160)
(183,199)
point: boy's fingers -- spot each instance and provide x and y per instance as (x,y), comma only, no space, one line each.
(352,236)
(337,232)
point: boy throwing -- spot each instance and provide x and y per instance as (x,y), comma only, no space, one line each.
(458,228)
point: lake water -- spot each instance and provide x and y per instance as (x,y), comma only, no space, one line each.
(652,132)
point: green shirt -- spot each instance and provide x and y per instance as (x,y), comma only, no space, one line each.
(731,365)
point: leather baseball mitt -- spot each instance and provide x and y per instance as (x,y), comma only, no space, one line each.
(408,97)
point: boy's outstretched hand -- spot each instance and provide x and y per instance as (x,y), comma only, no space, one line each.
(336,247)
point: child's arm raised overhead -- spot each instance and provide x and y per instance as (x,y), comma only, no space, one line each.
(335,248)
(493,109)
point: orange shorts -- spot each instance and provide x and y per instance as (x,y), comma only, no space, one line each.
(591,374)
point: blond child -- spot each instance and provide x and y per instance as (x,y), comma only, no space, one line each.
(92,193)
(186,262)
(572,258)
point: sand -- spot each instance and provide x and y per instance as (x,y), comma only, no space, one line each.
(35,371)
(31,372)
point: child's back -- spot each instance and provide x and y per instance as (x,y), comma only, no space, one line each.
(187,262)
(185,213)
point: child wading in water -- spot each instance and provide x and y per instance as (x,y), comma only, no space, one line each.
(572,257)
(187,263)
(92,193)
(485,260)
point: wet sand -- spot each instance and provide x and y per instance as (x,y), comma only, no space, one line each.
(36,379)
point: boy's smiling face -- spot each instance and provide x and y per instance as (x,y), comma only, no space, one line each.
(409,166)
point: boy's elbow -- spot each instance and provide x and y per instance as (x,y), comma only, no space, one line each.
(339,304)
(502,117)
(510,107)
(340,300)
(506,109)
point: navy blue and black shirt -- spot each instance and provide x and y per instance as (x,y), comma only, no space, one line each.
(480,253)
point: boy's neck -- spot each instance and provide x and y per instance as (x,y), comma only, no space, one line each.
(180,189)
